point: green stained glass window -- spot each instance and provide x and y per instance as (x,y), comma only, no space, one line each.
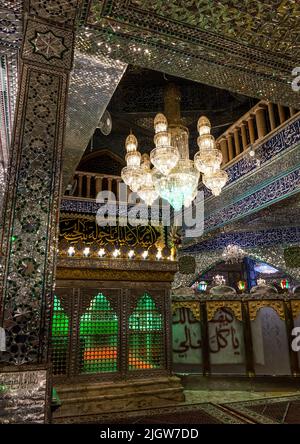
(60,338)
(145,335)
(99,331)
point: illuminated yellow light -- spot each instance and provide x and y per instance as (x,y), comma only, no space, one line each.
(101,252)
(71,251)
(86,251)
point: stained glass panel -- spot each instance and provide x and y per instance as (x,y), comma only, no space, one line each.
(145,336)
(60,338)
(99,331)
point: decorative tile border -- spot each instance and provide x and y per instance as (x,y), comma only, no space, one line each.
(248,239)
(91,207)
(280,188)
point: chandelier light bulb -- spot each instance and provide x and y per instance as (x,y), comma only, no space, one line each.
(131,143)
(133,159)
(203,125)
(160,123)
(206,142)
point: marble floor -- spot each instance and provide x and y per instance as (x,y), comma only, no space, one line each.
(218,390)
(224,396)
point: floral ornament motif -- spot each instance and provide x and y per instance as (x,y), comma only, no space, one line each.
(62,11)
(27,267)
(48,45)
(30,223)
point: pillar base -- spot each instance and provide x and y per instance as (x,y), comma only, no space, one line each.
(84,402)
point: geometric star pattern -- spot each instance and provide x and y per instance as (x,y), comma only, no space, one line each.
(48,45)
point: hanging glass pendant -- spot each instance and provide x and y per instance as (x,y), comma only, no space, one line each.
(215,181)
(208,159)
(132,174)
(147,191)
(180,186)
(164,157)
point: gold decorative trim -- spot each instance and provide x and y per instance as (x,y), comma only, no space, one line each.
(193,306)
(255,306)
(213,306)
(114,275)
(295,308)
(117,264)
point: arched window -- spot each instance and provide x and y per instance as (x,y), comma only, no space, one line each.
(99,330)
(145,335)
(60,338)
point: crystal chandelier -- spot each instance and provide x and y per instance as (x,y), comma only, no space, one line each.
(180,186)
(175,177)
(132,174)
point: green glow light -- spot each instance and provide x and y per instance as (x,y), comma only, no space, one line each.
(99,327)
(145,335)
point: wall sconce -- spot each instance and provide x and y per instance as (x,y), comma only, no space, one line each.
(130,254)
